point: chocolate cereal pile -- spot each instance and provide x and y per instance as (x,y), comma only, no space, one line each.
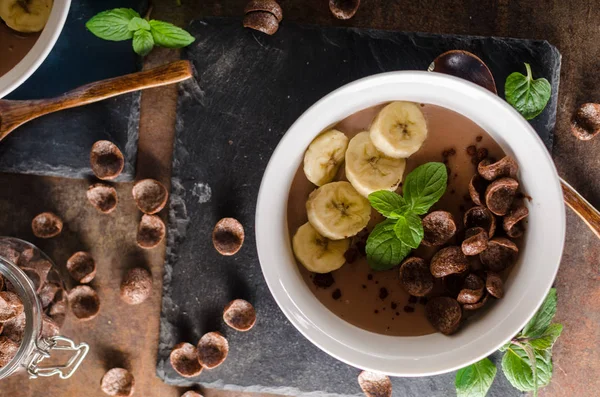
(47,285)
(471,273)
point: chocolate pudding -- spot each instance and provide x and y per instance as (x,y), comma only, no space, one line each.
(374,300)
(13,47)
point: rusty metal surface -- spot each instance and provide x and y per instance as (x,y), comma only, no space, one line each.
(128,335)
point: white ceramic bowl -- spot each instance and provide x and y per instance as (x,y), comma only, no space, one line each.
(526,286)
(40,50)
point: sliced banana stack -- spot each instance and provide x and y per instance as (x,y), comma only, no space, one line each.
(25,16)
(399,129)
(368,169)
(324,157)
(317,253)
(337,211)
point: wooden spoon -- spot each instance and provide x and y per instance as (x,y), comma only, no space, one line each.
(468,66)
(15,113)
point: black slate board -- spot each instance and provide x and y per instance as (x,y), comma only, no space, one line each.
(250,89)
(59,144)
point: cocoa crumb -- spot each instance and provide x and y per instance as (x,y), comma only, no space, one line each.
(472,150)
(409,309)
(383,293)
(351,255)
(393,305)
(370,277)
(482,153)
(376,312)
(479,138)
(364,286)
(323,280)
(337,294)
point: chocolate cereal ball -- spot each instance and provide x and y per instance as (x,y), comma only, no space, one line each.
(136,286)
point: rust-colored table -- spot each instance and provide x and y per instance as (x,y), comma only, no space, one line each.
(127,335)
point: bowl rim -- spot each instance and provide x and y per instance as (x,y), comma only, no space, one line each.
(332,334)
(40,50)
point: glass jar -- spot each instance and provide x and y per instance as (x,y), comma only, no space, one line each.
(31,274)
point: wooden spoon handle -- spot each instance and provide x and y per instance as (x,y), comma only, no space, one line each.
(19,112)
(581,207)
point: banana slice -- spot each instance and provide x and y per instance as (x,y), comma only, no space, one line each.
(317,253)
(337,211)
(369,170)
(324,157)
(26,16)
(399,129)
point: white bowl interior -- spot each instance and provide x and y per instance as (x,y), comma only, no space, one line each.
(40,50)
(527,285)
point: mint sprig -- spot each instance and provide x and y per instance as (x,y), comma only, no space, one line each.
(527,360)
(393,239)
(124,24)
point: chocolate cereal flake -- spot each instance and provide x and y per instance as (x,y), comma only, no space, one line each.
(477,187)
(444,314)
(136,286)
(46,225)
(10,306)
(82,267)
(239,315)
(150,195)
(500,254)
(85,303)
(438,227)
(151,231)
(270,6)
(374,384)
(262,21)
(415,277)
(8,350)
(500,194)
(449,260)
(14,329)
(106,160)
(494,285)
(228,236)
(475,242)
(47,293)
(184,360)
(478,305)
(480,217)
(512,222)
(344,9)
(103,197)
(118,382)
(472,290)
(505,167)
(585,123)
(212,350)
(49,327)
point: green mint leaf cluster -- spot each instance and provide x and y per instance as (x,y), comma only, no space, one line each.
(527,360)
(393,239)
(124,24)
(527,95)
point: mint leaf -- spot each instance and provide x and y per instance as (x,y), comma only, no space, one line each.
(424,186)
(388,204)
(516,366)
(547,339)
(409,229)
(169,35)
(476,379)
(138,23)
(384,250)
(142,42)
(542,318)
(527,95)
(113,24)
